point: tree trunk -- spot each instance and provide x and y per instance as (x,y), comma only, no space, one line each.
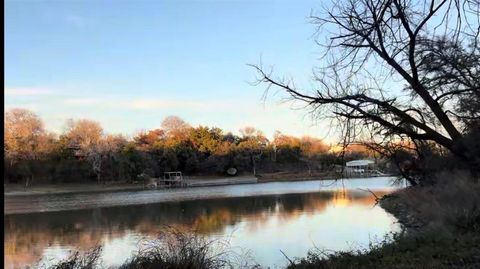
(463,150)
(253,165)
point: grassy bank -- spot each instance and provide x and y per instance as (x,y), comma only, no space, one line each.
(442,230)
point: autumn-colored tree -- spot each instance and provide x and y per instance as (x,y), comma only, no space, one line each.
(86,135)
(23,134)
(83,133)
(206,140)
(26,142)
(31,151)
(286,148)
(146,140)
(311,146)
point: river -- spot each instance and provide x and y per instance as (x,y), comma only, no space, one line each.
(262,219)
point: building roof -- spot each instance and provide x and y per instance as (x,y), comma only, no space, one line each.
(360,163)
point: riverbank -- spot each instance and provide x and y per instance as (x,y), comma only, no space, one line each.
(441,230)
(15,189)
(295,176)
(304,176)
(70,188)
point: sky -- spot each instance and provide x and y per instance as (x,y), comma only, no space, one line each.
(129,64)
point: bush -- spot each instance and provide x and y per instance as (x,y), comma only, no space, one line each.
(88,260)
(173,249)
(453,199)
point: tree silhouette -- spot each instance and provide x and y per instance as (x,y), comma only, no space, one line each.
(396,69)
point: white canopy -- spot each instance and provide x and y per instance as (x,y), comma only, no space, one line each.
(359,163)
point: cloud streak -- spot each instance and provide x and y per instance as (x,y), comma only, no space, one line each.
(82,101)
(143,104)
(151,104)
(27,91)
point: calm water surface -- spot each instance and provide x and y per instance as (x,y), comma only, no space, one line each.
(262,218)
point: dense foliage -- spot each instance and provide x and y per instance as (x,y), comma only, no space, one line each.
(83,152)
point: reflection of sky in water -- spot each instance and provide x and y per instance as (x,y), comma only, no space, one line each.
(55,253)
(117,250)
(338,227)
(44,203)
(293,223)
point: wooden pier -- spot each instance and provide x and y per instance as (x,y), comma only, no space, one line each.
(169,180)
(172,179)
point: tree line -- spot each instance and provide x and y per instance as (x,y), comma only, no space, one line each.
(84,152)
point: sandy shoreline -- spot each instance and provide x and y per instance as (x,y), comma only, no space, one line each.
(14,189)
(64,188)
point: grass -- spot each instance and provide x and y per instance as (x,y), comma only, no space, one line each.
(177,250)
(77,260)
(400,251)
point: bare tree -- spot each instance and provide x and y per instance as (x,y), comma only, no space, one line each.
(253,144)
(396,69)
(104,149)
(174,125)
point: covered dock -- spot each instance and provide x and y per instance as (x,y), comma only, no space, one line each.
(361,168)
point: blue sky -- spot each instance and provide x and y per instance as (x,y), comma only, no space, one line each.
(130,64)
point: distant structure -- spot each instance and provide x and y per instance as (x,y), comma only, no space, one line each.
(169,179)
(173,179)
(76,151)
(361,168)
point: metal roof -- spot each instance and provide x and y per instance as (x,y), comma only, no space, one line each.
(360,163)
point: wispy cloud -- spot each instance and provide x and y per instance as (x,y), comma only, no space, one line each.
(27,91)
(32,107)
(83,101)
(147,104)
(144,104)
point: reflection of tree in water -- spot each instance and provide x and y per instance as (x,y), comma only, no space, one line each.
(27,235)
